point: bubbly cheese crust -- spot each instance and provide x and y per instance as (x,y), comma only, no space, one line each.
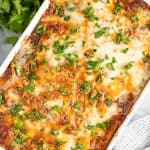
(77,76)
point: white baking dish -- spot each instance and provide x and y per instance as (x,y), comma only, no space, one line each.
(28,31)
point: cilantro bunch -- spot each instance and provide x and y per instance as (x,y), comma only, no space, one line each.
(15,15)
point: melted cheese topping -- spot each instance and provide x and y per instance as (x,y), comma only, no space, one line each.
(69,76)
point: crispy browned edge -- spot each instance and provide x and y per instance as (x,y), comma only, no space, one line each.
(125,102)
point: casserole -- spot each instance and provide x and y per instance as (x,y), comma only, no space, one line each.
(92,64)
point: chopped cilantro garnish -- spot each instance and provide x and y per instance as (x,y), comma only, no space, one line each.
(72,8)
(134,18)
(114,60)
(85,87)
(90,127)
(74,29)
(103,125)
(118,7)
(83,43)
(44,47)
(129,65)
(27,55)
(36,114)
(90,13)
(26,116)
(122,38)
(59,10)
(1,98)
(94,133)
(67,18)
(20,135)
(31,76)
(79,146)
(119,38)
(41,29)
(41,147)
(146,56)
(109,102)
(91,65)
(63,90)
(58,143)
(58,68)
(97,25)
(77,105)
(72,58)
(33,64)
(100,77)
(19,71)
(93,97)
(111,66)
(59,48)
(56,108)
(55,132)
(29,88)
(125,50)
(15,110)
(101,32)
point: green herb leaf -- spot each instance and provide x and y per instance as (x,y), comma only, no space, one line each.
(74,29)
(101,32)
(90,13)
(19,71)
(67,18)
(1,98)
(129,65)
(36,114)
(85,87)
(56,108)
(44,47)
(118,7)
(58,143)
(79,146)
(134,18)
(63,90)
(41,29)
(33,64)
(11,40)
(100,77)
(29,88)
(119,38)
(93,96)
(111,66)
(103,125)
(125,50)
(15,110)
(122,38)
(41,147)
(109,102)
(55,132)
(58,48)
(72,8)
(77,105)
(90,127)
(72,58)
(91,65)
(5,6)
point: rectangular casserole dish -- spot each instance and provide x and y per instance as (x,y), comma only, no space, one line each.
(27,33)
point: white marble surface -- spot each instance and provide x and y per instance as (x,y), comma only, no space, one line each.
(143,109)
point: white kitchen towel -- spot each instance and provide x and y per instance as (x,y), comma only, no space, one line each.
(136,136)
